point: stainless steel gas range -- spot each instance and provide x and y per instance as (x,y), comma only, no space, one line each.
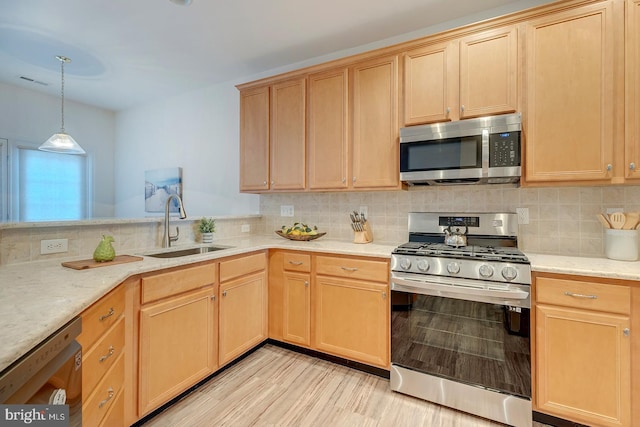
(460,315)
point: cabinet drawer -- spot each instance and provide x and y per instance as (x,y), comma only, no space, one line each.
(586,295)
(241,266)
(115,415)
(98,359)
(296,262)
(176,282)
(377,271)
(104,396)
(98,318)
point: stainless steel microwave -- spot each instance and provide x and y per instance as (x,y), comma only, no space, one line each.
(485,150)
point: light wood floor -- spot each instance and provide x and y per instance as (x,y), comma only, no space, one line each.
(278,387)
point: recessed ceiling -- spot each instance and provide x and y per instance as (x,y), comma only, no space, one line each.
(126,53)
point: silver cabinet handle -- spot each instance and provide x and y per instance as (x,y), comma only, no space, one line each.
(213,297)
(224,293)
(609,167)
(272,182)
(108,355)
(109,397)
(344,180)
(448,111)
(109,314)
(306,283)
(296,262)
(384,295)
(264,183)
(571,294)
(353,179)
(462,108)
(626,332)
(632,166)
(349,268)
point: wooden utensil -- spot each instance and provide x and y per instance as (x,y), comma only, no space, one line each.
(603,220)
(617,220)
(631,221)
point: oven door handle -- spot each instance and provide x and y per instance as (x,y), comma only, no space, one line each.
(420,286)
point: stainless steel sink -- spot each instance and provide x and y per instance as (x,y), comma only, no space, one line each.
(186,252)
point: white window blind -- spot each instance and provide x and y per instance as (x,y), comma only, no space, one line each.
(48,186)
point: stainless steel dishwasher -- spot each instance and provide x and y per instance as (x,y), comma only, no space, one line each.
(50,374)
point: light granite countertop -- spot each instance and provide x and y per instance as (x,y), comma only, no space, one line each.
(38,298)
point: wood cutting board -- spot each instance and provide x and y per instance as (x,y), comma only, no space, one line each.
(90,263)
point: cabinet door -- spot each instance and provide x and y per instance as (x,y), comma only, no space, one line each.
(430,84)
(177,346)
(583,365)
(488,73)
(375,124)
(570,96)
(352,320)
(297,308)
(254,139)
(632,122)
(243,315)
(288,135)
(328,130)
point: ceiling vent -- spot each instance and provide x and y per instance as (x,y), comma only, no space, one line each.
(29,79)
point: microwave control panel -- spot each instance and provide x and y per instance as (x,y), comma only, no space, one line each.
(504,149)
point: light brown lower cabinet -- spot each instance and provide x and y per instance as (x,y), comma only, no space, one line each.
(177,333)
(243,305)
(103,347)
(583,350)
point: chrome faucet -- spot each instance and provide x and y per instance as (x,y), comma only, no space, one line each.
(167,237)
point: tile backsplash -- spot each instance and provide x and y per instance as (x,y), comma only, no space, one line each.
(562,220)
(22,243)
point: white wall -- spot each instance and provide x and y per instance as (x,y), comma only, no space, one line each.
(30,116)
(197,131)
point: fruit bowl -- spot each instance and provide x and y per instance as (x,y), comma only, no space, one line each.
(301,237)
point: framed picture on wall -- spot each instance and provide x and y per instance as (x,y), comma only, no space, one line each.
(159,184)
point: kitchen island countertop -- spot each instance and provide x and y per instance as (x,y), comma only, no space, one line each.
(37,298)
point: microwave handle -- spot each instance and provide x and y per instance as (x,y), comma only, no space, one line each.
(485,153)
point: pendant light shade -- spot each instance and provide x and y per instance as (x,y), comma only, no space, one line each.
(62,142)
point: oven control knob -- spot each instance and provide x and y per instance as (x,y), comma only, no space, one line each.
(423,265)
(453,267)
(405,263)
(509,273)
(486,270)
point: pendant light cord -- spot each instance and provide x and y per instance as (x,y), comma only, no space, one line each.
(62,61)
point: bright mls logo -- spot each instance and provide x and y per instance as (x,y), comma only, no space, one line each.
(34,415)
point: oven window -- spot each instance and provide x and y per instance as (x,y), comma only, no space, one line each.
(461,340)
(453,153)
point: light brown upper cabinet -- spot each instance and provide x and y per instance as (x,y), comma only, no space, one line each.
(353,126)
(468,77)
(287,143)
(375,149)
(570,77)
(632,92)
(328,127)
(272,137)
(254,139)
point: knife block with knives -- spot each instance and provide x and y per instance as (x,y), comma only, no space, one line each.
(361,228)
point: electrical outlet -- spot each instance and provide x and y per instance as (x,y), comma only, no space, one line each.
(523,215)
(54,246)
(364,210)
(245,228)
(286,210)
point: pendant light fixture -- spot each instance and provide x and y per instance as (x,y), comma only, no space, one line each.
(62,142)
